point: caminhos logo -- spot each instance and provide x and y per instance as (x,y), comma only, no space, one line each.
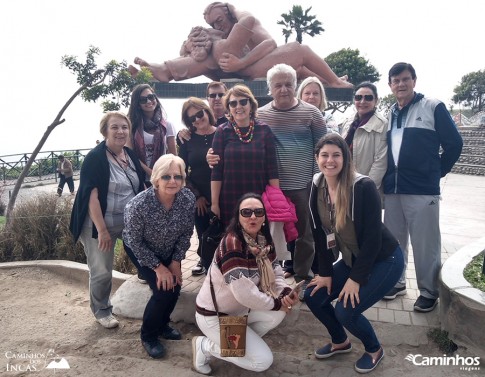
(464,363)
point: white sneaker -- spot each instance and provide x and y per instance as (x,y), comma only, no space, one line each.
(200,362)
(108,322)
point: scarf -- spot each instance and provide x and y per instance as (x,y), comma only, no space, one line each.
(358,122)
(156,124)
(260,249)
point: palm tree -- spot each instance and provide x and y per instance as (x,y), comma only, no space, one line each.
(301,22)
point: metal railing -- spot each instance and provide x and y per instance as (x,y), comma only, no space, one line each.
(43,168)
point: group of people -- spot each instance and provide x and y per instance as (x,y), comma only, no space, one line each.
(232,158)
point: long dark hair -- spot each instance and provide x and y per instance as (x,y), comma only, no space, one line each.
(235,227)
(345,177)
(135,113)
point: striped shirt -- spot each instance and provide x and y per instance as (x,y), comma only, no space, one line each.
(296,130)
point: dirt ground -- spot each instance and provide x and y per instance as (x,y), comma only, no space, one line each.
(46,324)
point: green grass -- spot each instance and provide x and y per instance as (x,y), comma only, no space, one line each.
(440,337)
(3,220)
(473,273)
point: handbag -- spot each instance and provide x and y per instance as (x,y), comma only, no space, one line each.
(210,240)
(232,330)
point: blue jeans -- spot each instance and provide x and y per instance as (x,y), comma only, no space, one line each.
(161,304)
(383,276)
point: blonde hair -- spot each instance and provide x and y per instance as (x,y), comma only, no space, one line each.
(103,124)
(311,80)
(162,166)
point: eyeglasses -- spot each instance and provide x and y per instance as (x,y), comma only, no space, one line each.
(248,212)
(150,97)
(198,115)
(366,97)
(167,177)
(214,95)
(242,102)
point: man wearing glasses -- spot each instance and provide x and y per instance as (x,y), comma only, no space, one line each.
(418,128)
(215,92)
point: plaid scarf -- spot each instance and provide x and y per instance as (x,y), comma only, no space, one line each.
(260,249)
(156,124)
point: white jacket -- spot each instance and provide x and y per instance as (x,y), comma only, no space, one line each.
(370,147)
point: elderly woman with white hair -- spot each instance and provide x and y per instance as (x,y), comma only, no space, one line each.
(158,225)
(311,91)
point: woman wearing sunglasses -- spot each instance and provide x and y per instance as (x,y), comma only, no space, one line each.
(366,134)
(158,225)
(152,135)
(247,154)
(246,276)
(200,121)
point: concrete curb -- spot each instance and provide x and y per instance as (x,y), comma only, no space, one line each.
(69,269)
(462,307)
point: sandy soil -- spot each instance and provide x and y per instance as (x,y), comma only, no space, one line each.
(45,318)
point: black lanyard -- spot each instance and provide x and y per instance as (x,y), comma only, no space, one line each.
(330,206)
(121,166)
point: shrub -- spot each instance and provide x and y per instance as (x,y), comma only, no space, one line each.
(3,205)
(39,229)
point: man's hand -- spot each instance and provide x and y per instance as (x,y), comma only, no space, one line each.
(202,206)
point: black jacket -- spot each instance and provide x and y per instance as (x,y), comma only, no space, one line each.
(95,174)
(375,241)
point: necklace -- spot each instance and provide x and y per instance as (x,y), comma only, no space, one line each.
(249,135)
(124,162)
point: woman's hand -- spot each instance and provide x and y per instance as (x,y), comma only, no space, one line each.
(105,242)
(165,280)
(212,159)
(202,206)
(350,291)
(287,302)
(320,282)
(176,270)
(184,135)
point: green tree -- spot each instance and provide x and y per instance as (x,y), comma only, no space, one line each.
(385,103)
(471,91)
(113,81)
(301,22)
(349,62)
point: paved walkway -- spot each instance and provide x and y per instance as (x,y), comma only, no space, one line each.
(462,222)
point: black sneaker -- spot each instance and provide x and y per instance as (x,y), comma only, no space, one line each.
(154,348)
(170,333)
(199,269)
(424,304)
(394,292)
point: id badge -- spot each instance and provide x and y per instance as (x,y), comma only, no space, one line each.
(331,243)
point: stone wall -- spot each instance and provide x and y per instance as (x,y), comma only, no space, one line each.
(472,159)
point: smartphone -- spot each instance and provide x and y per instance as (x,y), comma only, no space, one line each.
(296,290)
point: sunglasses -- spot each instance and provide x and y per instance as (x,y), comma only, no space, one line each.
(214,95)
(248,212)
(242,102)
(198,115)
(150,97)
(167,177)
(367,97)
